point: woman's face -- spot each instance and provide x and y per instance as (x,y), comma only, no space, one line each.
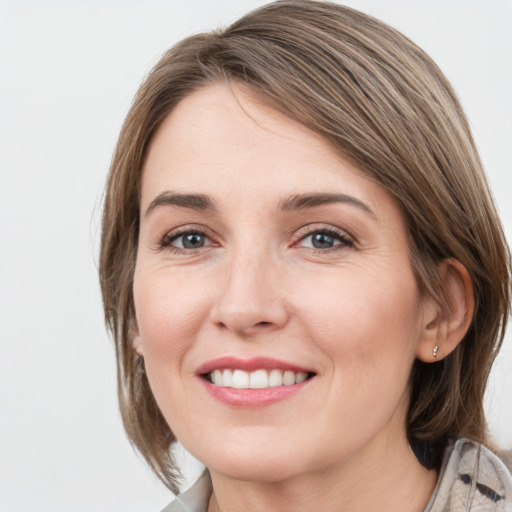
(265,259)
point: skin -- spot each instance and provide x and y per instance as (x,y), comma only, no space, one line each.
(351,313)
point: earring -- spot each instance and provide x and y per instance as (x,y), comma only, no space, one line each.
(434,351)
(140,361)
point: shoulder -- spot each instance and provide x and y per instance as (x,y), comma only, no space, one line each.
(506,457)
(194,499)
(473,477)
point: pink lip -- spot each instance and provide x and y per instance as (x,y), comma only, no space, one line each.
(250,397)
(248,365)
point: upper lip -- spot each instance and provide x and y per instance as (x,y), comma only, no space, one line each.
(249,365)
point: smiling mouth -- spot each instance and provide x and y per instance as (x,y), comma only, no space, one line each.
(257,379)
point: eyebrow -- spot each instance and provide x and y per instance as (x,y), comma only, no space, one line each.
(306,201)
(200,202)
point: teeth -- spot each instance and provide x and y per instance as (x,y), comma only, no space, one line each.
(240,379)
(289,378)
(275,378)
(258,379)
(227,378)
(217,376)
(300,377)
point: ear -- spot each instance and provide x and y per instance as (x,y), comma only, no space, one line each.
(137,340)
(445,325)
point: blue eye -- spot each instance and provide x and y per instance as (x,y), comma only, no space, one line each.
(188,241)
(325,239)
(322,241)
(191,240)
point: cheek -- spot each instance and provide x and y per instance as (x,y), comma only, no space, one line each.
(366,320)
(169,309)
(169,312)
(368,334)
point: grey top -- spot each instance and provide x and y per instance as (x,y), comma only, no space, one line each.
(472,478)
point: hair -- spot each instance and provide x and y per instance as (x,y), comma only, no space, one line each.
(380,101)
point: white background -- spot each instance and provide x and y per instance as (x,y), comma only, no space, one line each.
(68,71)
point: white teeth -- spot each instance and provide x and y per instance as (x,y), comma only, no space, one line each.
(217,376)
(227,378)
(300,377)
(240,379)
(275,378)
(258,379)
(289,378)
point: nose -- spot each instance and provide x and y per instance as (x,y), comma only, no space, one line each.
(250,299)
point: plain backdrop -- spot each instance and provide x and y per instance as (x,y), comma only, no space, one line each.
(68,72)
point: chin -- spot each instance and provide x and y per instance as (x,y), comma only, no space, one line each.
(263,471)
(254,463)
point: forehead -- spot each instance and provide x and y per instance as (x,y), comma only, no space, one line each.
(222,141)
(221,126)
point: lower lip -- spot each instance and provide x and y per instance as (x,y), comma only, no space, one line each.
(252,397)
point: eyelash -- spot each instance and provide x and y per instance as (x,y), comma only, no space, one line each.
(169,238)
(345,240)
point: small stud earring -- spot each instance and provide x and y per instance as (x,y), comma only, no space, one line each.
(434,351)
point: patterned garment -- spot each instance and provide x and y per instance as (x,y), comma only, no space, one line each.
(472,479)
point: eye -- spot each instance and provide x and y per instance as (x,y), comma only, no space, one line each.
(190,241)
(186,241)
(325,239)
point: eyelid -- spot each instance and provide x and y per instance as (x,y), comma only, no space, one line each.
(346,239)
(181,236)
(165,241)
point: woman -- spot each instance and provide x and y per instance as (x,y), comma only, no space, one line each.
(304,273)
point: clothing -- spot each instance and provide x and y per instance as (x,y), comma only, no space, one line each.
(195,499)
(472,478)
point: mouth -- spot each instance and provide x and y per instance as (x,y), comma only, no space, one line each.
(260,378)
(255,381)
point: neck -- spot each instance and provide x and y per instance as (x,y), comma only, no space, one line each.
(392,480)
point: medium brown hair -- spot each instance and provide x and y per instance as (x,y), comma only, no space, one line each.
(382,102)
